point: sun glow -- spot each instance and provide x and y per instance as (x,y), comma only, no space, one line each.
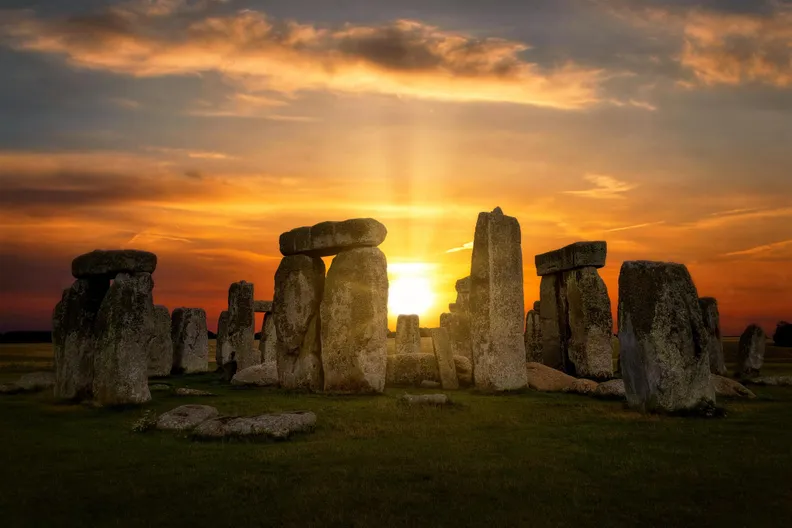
(411,289)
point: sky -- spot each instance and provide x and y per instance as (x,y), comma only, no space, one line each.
(203,129)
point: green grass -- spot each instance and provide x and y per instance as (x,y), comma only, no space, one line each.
(526,459)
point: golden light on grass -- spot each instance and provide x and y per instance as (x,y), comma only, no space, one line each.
(412,289)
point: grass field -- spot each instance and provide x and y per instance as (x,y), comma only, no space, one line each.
(527,459)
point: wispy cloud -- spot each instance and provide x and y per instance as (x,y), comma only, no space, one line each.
(605,187)
(636,226)
(760,249)
(738,215)
(463,247)
(193,154)
(123,102)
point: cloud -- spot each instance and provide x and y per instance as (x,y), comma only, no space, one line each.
(605,187)
(404,57)
(463,247)
(722,218)
(760,249)
(636,226)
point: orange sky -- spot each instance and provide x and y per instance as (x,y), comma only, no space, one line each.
(202,130)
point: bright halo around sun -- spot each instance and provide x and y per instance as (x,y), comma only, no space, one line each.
(410,290)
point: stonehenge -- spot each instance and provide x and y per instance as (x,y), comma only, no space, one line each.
(331,238)
(190,341)
(496,303)
(457,320)
(408,336)
(709,310)
(160,353)
(445,359)
(663,339)
(241,325)
(750,352)
(533,336)
(575,311)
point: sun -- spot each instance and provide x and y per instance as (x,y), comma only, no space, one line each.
(411,289)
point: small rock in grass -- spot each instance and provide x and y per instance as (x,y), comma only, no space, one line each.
(36,381)
(182,391)
(582,386)
(610,390)
(185,417)
(730,388)
(278,426)
(10,388)
(424,399)
(774,381)
(429,384)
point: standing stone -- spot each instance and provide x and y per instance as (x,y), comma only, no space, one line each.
(222,346)
(241,325)
(74,338)
(554,324)
(160,353)
(533,337)
(354,313)
(589,349)
(458,327)
(125,331)
(299,285)
(709,310)
(463,294)
(268,349)
(445,359)
(408,335)
(496,303)
(537,305)
(751,351)
(190,340)
(663,341)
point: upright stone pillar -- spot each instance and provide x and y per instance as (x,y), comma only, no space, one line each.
(268,348)
(160,352)
(299,285)
(223,356)
(190,341)
(751,351)
(445,359)
(533,337)
(241,325)
(496,303)
(408,335)
(709,309)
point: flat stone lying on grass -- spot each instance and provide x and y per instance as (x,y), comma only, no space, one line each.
(108,264)
(36,381)
(730,388)
(428,384)
(424,399)
(582,386)
(547,379)
(159,387)
(185,417)
(10,388)
(183,391)
(773,381)
(264,375)
(610,390)
(273,426)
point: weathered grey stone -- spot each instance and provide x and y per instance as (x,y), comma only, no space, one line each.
(36,381)
(537,305)
(496,303)
(268,346)
(772,381)
(262,306)
(185,417)
(354,314)
(411,369)
(241,325)
(160,352)
(546,379)
(464,370)
(74,338)
(662,338)
(463,296)
(730,388)
(330,238)
(159,387)
(445,359)
(458,327)
(265,426)
(573,256)
(588,353)
(223,352)
(427,384)
(424,399)
(709,310)
(582,386)
(554,324)
(264,375)
(184,391)
(751,351)
(610,390)
(190,340)
(109,263)
(533,337)
(299,286)
(125,331)
(408,335)
(10,388)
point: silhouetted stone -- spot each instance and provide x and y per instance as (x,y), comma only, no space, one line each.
(223,352)
(74,338)
(782,337)
(554,323)
(268,346)
(160,352)
(408,335)
(299,286)
(458,327)
(537,305)
(533,337)
(354,314)
(588,353)
(573,256)
(463,295)
(330,238)
(262,306)
(445,359)
(125,328)
(109,263)
(751,351)
(496,303)
(241,325)
(709,310)
(190,340)
(663,341)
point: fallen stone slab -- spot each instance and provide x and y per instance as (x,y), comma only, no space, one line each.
(109,263)
(262,306)
(730,388)
(582,386)
(424,399)
(185,417)
(772,381)
(547,379)
(428,384)
(330,238)
(159,387)
(610,390)
(411,369)
(183,391)
(279,426)
(36,381)
(10,388)
(263,375)
(573,256)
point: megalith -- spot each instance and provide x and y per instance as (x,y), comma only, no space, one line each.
(354,315)
(126,329)
(330,238)
(496,303)
(709,310)
(160,352)
(268,349)
(299,286)
(445,359)
(190,341)
(408,337)
(223,354)
(662,339)
(533,337)
(751,351)
(241,325)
